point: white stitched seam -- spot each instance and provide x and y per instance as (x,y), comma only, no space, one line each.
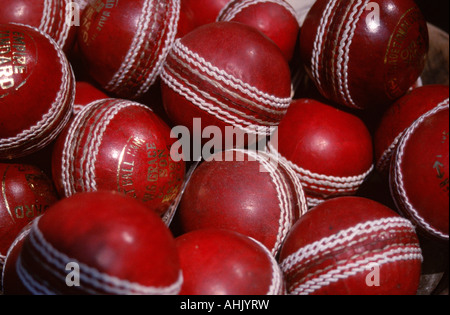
(398,174)
(224,77)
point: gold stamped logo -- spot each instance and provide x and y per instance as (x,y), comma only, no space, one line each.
(15,62)
(408,43)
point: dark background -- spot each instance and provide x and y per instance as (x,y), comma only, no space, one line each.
(436,12)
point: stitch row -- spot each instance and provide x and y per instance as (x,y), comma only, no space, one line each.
(398,171)
(52,260)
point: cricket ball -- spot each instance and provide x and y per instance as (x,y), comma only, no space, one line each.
(86,93)
(99,243)
(244,86)
(26,192)
(245,191)
(196,13)
(53,17)
(274,18)
(420,171)
(364,54)
(352,246)
(223,262)
(120,145)
(330,150)
(37,88)
(10,283)
(401,115)
(125,43)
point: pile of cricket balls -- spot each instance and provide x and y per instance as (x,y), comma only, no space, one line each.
(98,196)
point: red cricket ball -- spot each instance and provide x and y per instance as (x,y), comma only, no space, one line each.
(274,18)
(196,13)
(330,150)
(124,43)
(119,145)
(419,177)
(10,283)
(26,192)
(244,191)
(244,85)
(400,116)
(352,246)
(99,243)
(36,90)
(364,54)
(86,93)
(55,18)
(223,262)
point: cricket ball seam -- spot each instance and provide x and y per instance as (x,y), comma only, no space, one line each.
(351,236)
(126,69)
(230,11)
(209,98)
(332,183)
(222,76)
(384,161)
(342,272)
(344,52)
(346,32)
(281,186)
(277,284)
(298,186)
(54,260)
(57,108)
(25,231)
(227,89)
(96,140)
(319,41)
(398,176)
(70,146)
(214,110)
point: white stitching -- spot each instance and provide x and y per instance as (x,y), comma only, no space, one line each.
(398,175)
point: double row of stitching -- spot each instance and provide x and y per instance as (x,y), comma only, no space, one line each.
(334,70)
(211,107)
(229,12)
(354,236)
(325,183)
(385,159)
(91,149)
(398,172)
(150,45)
(58,114)
(94,281)
(228,80)
(286,205)
(360,263)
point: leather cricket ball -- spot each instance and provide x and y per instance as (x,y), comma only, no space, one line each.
(245,85)
(352,246)
(124,43)
(196,13)
(223,262)
(112,244)
(244,191)
(53,17)
(26,192)
(330,150)
(37,88)
(10,283)
(86,93)
(364,54)
(419,177)
(400,116)
(274,18)
(119,145)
